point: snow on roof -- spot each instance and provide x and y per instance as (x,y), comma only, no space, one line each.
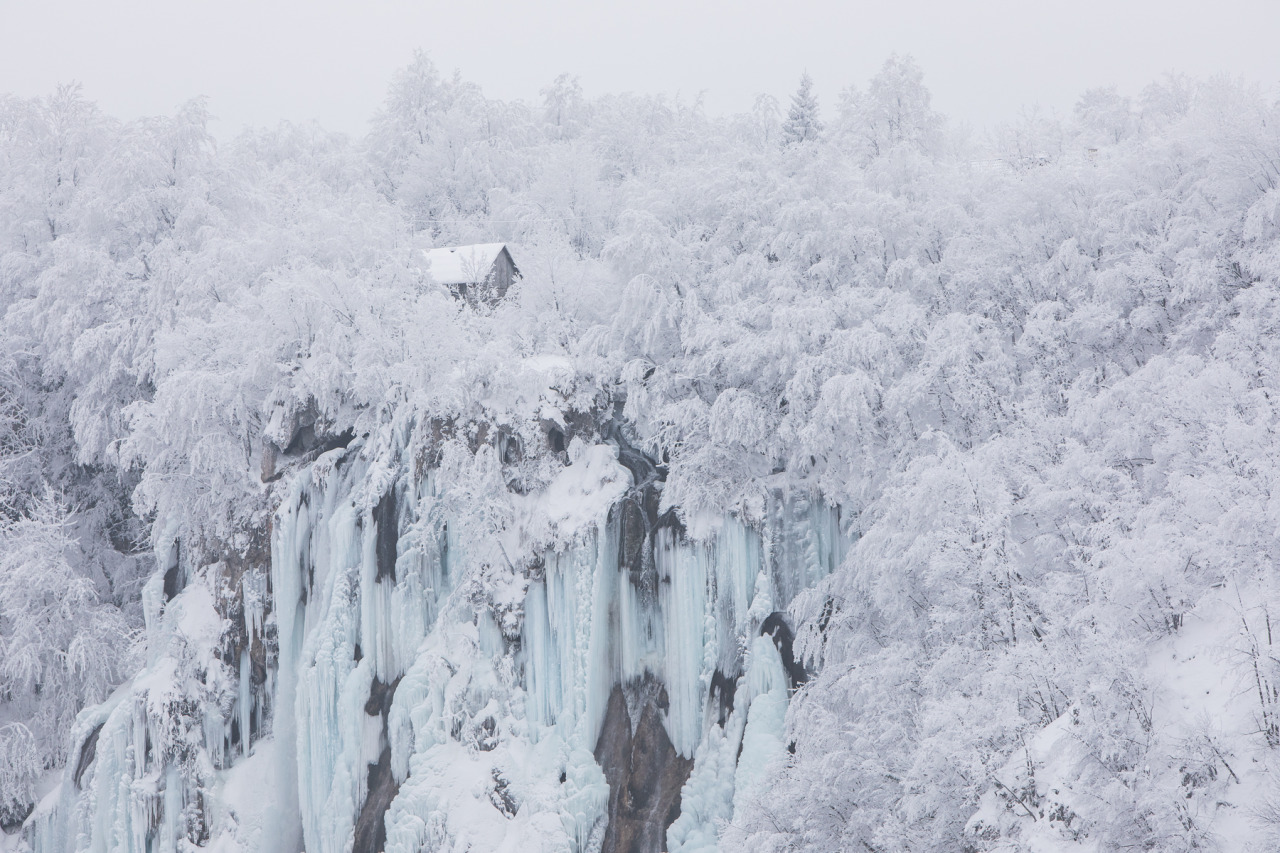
(463,264)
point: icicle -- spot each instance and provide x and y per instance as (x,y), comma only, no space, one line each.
(253,591)
(587,796)
(687,667)
(244,701)
(544,688)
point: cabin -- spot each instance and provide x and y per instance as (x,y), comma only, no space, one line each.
(478,273)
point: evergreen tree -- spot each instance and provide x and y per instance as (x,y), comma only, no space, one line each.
(802,124)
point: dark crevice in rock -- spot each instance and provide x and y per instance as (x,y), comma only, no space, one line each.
(342,439)
(485,735)
(643,769)
(388,535)
(171,587)
(644,470)
(671,519)
(88,751)
(510,449)
(639,515)
(309,437)
(723,689)
(380,696)
(775,625)
(371,826)
(173,574)
(302,439)
(306,440)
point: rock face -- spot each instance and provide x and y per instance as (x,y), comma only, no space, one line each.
(644,771)
(775,626)
(384,516)
(88,751)
(371,827)
(427,688)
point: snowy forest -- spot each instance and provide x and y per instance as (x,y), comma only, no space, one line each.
(833,478)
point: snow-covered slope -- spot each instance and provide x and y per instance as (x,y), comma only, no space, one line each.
(1056,796)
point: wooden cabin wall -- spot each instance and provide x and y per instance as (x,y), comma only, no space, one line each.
(503,273)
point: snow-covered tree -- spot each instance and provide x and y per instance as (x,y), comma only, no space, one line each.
(802,123)
(61,645)
(894,112)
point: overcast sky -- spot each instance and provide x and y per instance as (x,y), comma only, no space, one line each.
(260,61)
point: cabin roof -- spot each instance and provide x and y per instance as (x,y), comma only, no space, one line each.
(463,264)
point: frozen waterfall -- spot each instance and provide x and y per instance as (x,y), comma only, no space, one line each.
(624,687)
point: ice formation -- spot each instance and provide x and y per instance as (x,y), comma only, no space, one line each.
(146,761)
(423,698)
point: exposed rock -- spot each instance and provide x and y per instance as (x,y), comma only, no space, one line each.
(297,434)
(723,689)
(635,541)
(510,450)
(88,752)
(173,573)
(486,735)
(380,696)
(388,525)
(555,439)
(500,796)
(776,627)
(640,518)
(644,771)
(270,462)
(371,826)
